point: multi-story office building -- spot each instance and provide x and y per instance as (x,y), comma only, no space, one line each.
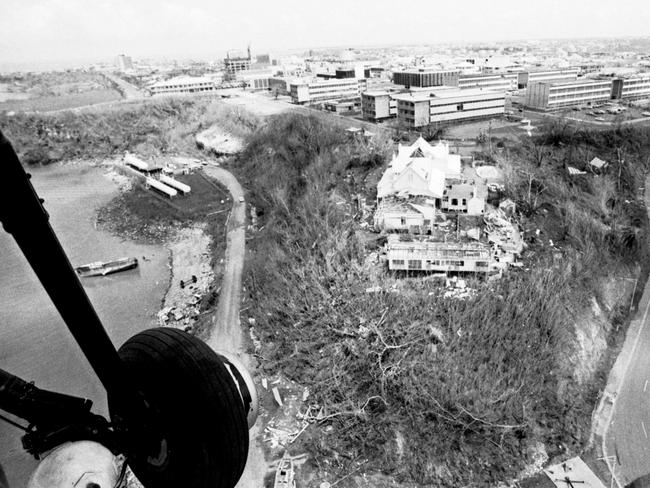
(424,77)
(418,109)
(495,81)
(307,92)
(378,105)
(549,76)
(555,96)
(632,88)
(183,84)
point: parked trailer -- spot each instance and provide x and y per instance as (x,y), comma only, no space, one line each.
(161,187)
(136,162)
(182,187)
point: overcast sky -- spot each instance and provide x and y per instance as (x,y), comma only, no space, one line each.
(39,30)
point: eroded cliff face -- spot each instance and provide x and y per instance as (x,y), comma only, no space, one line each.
(600,323)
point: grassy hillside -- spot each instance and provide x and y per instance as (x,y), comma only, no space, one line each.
(152,128)
(55,90)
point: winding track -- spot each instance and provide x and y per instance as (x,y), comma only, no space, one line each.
(226,332)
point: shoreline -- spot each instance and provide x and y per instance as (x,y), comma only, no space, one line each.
(189,256)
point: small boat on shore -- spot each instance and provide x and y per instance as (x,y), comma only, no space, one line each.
(284,475)
(103,268)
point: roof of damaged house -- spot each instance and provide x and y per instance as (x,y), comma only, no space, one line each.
(406,208)
(438,156)
(419,169)
(396,242)
(417,178)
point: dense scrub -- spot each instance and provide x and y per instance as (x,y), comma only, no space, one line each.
(152,128)
(425,388)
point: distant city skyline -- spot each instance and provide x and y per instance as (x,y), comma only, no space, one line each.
(58,31)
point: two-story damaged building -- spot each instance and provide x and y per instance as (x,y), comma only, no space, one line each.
(422,254)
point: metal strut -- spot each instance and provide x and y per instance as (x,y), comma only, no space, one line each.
(23,216)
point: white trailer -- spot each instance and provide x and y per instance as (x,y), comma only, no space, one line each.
(182,187)
(161,187)
(136,162)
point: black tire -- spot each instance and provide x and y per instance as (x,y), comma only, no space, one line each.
(198,407)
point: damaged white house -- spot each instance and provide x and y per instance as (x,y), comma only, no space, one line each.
(425,171)
(420,180)
(424,193)
(419,170)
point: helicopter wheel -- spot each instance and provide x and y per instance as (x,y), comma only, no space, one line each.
(203,426)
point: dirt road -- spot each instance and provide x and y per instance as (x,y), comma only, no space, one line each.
(226,332)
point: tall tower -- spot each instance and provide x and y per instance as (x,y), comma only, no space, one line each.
(248,49)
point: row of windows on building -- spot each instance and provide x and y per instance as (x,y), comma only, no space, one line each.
(415,264)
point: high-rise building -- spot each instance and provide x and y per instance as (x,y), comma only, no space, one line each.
(124,62)
(235,62)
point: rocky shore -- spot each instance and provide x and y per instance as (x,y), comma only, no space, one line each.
(191,276)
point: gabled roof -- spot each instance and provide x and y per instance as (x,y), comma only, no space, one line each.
(418,178)
(438,157)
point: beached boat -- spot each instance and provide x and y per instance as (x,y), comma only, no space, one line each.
(101,268)
(284,475)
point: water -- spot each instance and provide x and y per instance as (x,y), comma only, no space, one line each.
(34,342)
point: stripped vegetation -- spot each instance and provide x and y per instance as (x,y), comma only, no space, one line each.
(470,386)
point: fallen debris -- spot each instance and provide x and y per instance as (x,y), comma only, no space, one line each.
(276,395)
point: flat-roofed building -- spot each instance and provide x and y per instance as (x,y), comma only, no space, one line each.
(183,84)
(550,76)
(424,255)
(255,79)
(349,72)
(378,105)
(632,88)
(306,92)
(493,81)
(556,96)
(418,109)
(425,77)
